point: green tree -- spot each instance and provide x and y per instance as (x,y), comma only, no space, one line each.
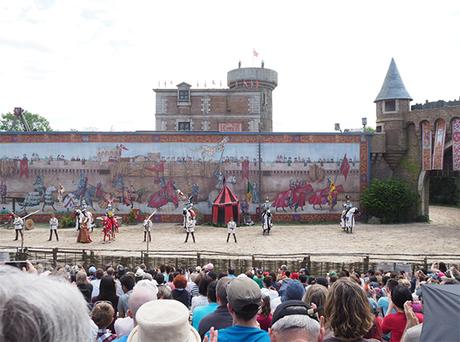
(391,200)
(9,122)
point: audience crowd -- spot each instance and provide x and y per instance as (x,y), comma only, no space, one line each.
(72,303)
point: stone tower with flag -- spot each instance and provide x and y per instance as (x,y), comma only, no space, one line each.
(245,106)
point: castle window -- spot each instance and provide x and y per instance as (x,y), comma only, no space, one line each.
(184,96)
(183,126)
(378,129)
(390,106)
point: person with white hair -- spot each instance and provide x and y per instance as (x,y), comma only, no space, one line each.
(41,309)
(292,322)
(141,294)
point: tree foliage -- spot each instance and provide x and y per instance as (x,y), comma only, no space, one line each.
(391,200)
(9,122)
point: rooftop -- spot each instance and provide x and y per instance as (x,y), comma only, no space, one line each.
(393,87)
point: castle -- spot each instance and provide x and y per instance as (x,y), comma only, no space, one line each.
(245,106)
(396,148)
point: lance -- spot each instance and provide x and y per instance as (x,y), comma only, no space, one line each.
(30,214)
(154,212)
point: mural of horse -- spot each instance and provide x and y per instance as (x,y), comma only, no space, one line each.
(292,198)
(325,197)
(167,193)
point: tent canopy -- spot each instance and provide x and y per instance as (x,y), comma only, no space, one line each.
(441,305)
(225,206)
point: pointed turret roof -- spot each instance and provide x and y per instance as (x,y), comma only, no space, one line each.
(393,87)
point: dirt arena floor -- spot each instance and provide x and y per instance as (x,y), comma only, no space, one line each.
(441,235)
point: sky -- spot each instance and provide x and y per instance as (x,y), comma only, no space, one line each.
(92,64)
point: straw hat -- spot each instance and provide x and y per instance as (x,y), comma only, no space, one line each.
(165,321)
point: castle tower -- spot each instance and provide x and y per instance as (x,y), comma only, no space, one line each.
(392,102)
(260,80)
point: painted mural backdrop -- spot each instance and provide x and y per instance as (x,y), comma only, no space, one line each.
(304,174)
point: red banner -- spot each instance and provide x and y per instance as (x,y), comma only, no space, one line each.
(438,149)
(456,144)
(426,145)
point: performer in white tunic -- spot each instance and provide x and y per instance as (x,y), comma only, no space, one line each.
(231,229)
(190,224)
(18,224)
(266,221)
(148,225)
(347,206)
(53,227)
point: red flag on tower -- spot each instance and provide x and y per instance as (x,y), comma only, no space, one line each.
(255,53)
(345,167)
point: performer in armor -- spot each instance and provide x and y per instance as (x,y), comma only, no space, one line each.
(53,227)
(77,213)
(347,206)
(266,221)
(231,229)
(190,219)
(148,225)
(18,226)
(110,224)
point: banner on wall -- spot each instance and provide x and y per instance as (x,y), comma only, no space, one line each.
(426,145)
(438,149)
(456,144)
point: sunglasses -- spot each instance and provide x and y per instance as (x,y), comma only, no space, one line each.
(103,301)
(298,310)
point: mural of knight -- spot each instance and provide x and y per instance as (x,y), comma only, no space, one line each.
(298,174)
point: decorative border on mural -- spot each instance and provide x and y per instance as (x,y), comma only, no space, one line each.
(132,137)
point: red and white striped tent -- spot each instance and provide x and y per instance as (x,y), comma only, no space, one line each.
(225,206)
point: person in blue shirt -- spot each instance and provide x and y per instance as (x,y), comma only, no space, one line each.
(244,300)
(202,311)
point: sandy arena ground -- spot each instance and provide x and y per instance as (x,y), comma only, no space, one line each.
(440,236)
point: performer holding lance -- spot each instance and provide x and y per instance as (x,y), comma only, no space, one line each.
(190,224)
(231,229)
(18,224)
(53,227)
(148,225)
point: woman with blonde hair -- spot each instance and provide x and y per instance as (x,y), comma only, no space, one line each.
(85,287)
(347,312)
(316,294)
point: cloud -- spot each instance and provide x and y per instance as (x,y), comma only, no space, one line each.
(24,45)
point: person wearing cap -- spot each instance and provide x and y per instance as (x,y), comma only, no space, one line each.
(294,320)
(163,320)
(290,290)
(244,300)
(92,272)
(231,229)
